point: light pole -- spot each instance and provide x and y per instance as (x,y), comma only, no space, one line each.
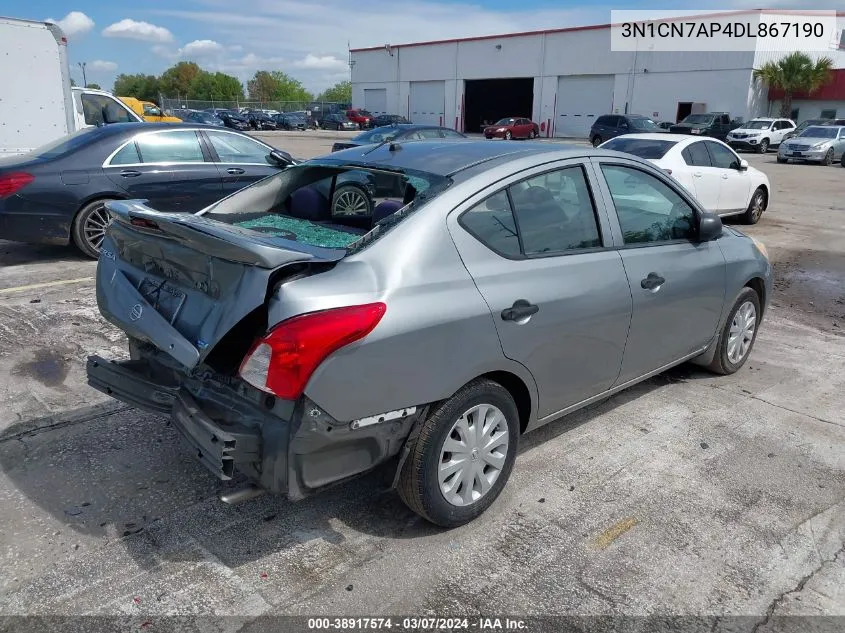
(84,79)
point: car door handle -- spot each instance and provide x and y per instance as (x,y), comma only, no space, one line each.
(521,309)
(130,173)
(234,171)
(652,282)
(698,174)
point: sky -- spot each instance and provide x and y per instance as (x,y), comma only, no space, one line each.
(308,39)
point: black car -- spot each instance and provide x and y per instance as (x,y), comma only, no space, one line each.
(234,120)
(337,122)
(610,126)
(56,194)
(203,118)
(388,119)
(402,132)
(291,121)
(260,120)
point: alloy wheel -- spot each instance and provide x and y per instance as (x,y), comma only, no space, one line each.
(350,201)
(473,455)
(94,228)
(757,206)
(742,332)
(508,136)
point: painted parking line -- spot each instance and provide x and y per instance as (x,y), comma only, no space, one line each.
(48,284)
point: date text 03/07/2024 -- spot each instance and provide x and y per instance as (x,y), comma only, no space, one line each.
(417,624)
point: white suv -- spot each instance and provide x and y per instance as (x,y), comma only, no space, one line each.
(760,134)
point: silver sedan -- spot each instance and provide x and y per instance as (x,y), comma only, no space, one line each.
(494,287)
(823,144)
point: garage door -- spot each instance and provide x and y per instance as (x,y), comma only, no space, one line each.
(581,99)
(428,102)
(375,100)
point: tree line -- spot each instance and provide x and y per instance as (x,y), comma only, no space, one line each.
(186,80)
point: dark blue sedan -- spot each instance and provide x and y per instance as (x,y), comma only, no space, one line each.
(56,194)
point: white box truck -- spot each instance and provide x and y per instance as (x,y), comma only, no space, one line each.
(37,103)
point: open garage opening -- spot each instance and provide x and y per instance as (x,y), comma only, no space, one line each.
(493,99)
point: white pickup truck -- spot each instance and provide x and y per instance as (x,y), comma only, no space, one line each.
(37,103)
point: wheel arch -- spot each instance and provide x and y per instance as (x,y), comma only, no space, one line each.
(759,286)
(519,392)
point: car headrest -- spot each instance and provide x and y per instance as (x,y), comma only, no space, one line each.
(538,195)
(306,203)
(384,209)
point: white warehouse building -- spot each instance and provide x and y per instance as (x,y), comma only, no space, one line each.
(563,79)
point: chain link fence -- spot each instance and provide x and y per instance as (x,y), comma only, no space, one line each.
(169,104)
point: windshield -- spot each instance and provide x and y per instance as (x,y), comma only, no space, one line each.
(805,124)
(328,204)
(643,124)
(150,110)
(644,148)
(65,144)
(365,112)
(699,118)
(817,131)
(505,122)
(378,135)
(758,125)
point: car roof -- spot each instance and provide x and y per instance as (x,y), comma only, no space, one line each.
(765,118)
(445,158)
(657,136)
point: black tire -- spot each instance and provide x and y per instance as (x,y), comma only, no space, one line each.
(828,158)
(782,160)
(763,147)
(596,141)
(419,486)
(755,207)
(842,160)
(508,135)
(721,363)
(85,229)
(344,197)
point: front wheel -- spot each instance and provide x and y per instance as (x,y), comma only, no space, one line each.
(755,207)
(463,456)
(89,227)
(828,158)
(739,333)
(508,135)
(597,141)
(764,146)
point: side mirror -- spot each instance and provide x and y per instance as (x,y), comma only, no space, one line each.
(743,164)
(709,227)
(281,158)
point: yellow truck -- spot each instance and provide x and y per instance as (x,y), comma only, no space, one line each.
(148,111)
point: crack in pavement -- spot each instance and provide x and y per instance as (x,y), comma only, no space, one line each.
(66,419)
(777,406)
(798,589)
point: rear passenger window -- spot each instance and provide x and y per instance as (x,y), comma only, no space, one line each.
(128,155)
(491,222)
(696,155)
(554,212)
(170,147)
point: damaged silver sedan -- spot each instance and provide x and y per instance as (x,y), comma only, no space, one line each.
(487,290)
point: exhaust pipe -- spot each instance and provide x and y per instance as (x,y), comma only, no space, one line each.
(244,494)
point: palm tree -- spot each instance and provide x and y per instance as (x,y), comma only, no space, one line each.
(795,73)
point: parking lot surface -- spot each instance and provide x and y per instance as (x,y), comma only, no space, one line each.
(688,494)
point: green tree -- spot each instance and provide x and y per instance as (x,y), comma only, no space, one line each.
(140,86)
(276,86)
(793,73)
(177,79)
(72,82)
(93,86)
(217,86)
(341,92)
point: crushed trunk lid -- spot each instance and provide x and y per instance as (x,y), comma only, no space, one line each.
(182,282)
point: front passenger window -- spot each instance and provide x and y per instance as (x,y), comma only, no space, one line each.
(649,210)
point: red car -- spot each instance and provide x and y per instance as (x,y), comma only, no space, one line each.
(512,127)
(363,118)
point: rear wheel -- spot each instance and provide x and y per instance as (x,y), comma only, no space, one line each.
(739,333)
(463,456)
(828,158)
(350,200)
(532,134)
(764,146)
(842,160)
(755,207)
(597,141)
(89,227)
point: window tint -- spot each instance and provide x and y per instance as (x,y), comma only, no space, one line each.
(170,147)
(491,222)
(726,120)
(644,148)
(232,148)
(128,155)
(554,212)
(100,109)
(721,156)
(649,210)
(430,133)
(622,123)
(696,155)
(828,114)
(606,120)
(451,134)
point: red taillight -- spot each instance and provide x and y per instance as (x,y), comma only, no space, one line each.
(10,183)
(282,362)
